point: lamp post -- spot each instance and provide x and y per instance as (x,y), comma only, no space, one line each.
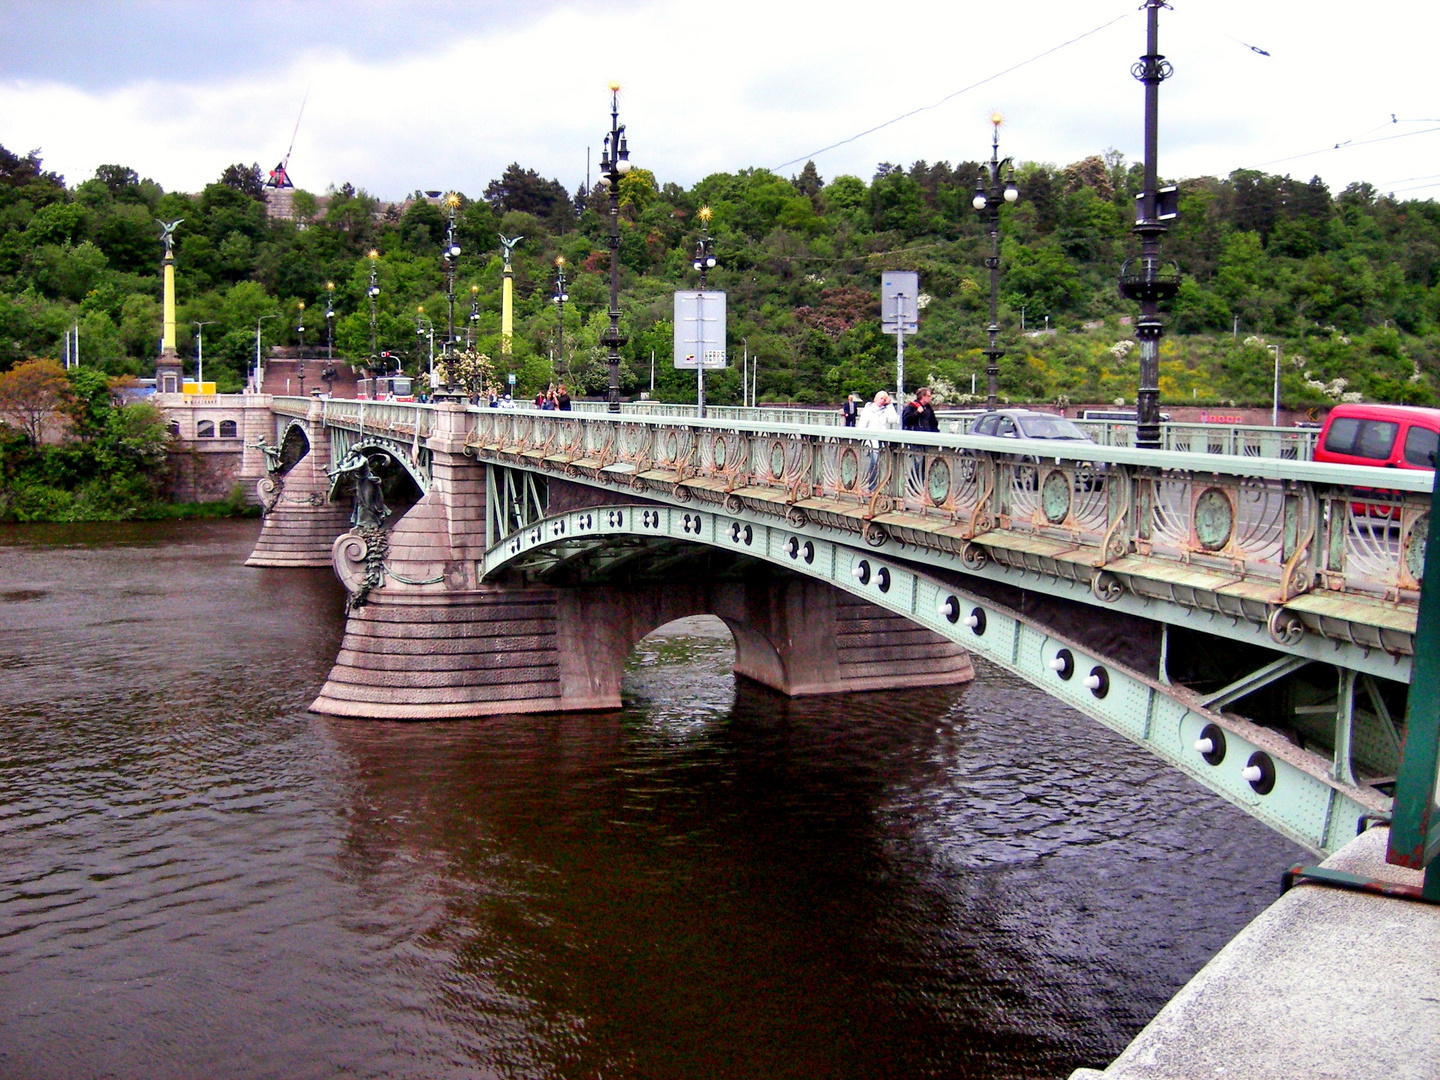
(614,164)
(1150,282)
(704,263)
(560,297)
(474,314)
(451,258)
(200,350)
(258,321)
(329,320)
(374,293)
(990,192)
(1275,402)
(424,327)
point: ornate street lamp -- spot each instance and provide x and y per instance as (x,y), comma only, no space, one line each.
(474,314)
(560,297)
(991,191)
(424,327)
(374,293)
(614,164)
(1150,281)
(704,263)
(329,320)
(450,260)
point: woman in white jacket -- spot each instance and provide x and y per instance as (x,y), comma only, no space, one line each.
(877,415)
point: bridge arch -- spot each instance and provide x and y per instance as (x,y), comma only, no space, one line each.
(1293,794)
(294,445)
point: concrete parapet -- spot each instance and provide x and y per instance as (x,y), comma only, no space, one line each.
(1325,983)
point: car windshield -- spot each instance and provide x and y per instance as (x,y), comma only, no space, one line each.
(1050,427)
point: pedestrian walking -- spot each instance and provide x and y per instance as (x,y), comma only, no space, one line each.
(877,415)
(851,409)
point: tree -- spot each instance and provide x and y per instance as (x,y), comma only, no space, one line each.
(527,191)
(31,394)
(246,179)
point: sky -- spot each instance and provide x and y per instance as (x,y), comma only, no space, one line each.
(443,94)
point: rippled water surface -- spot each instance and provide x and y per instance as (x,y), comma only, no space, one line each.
(200,878)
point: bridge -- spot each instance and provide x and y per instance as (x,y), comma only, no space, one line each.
(1249,617)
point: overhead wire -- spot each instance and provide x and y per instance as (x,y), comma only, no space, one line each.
(950,97)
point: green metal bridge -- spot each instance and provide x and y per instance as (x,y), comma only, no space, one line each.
(1250,616)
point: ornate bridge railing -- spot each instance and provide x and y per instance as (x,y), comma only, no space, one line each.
(1300,547)
(1296,444)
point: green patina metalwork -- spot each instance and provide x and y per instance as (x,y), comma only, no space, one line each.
(1055,496)
(377,546)
(1214,519)
(1415,822)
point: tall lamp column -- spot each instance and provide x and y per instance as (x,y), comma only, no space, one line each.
(990,192)
(560,297)
(1150,282)
(704,263)
(374,293)
(614,164)
(452,257)
(329,320)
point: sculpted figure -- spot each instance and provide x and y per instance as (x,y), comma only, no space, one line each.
(507,248)
(167,233)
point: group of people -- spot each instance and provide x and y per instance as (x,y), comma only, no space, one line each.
(880,415)
(556,397)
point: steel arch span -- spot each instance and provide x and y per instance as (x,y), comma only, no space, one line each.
(1253,767)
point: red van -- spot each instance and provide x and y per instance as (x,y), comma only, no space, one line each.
(1394,436)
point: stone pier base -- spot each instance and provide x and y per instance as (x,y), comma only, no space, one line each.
(301,523)
(416,655)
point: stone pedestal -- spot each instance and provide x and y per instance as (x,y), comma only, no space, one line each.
(301,524)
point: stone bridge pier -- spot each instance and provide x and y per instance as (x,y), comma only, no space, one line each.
(428,641)
(301,523)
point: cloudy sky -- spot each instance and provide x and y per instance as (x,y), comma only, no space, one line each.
(445,93)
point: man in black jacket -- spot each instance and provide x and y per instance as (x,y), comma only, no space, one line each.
(919,415)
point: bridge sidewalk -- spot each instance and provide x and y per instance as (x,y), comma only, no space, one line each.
(1324,984)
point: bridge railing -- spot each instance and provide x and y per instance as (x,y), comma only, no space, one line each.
(1255,532)
(1296,444)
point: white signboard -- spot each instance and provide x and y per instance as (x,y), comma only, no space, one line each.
(899,290)
(700,330)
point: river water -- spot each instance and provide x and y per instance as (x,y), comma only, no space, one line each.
(200,878)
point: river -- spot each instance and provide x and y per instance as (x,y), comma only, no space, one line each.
(199,878)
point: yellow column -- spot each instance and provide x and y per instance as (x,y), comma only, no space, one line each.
(507,311)
(167,342)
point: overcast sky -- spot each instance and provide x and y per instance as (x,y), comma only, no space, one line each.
(443,94)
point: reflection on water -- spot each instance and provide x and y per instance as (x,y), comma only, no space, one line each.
(197,877)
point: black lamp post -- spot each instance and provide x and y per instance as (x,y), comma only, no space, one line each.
(614,163)
(704,263)
(451,259)
(1150,282)
(329,320)
(374,293)
(560,297)
(990,192)
(474,313)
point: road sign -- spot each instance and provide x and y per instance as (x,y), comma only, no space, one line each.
(899,290)
(700,329)
(511,378)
